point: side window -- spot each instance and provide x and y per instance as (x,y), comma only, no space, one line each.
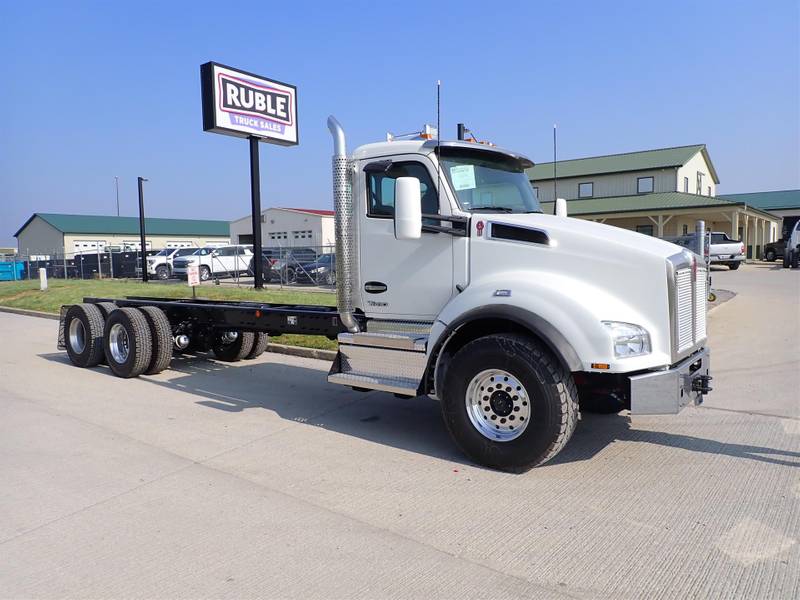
(380,189)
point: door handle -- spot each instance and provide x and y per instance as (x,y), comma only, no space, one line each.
(375,287)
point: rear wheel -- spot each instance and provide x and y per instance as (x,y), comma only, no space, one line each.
(230,346)
(795,259)
(161,334)
(205,273)
(787,258)
(260,344)
(508,403)
(83,335)
(128,343)
(733,266)
(770,256)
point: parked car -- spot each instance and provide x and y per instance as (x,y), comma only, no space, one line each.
(285,261)
(160,265)
(774,250)
(723,250)
(320,272)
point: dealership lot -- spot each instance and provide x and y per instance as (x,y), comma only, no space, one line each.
(259,479)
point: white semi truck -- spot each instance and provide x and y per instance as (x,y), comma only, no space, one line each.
(451,282)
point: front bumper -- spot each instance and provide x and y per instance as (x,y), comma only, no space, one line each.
(667,392)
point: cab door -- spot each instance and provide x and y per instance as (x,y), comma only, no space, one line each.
(401,279)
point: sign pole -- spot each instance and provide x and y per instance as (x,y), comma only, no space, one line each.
(255,199)
(143,251)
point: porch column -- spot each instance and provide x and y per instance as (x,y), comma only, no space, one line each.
(735,225)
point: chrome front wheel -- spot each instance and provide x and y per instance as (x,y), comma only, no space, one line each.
(498,405)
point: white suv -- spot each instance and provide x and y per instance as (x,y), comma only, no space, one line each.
(160,264)
(222,261)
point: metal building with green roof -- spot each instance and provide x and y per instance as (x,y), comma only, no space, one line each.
(54,233)
(660,192)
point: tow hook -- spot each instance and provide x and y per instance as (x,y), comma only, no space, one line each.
(701,384)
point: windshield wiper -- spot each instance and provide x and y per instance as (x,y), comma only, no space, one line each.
(502,209)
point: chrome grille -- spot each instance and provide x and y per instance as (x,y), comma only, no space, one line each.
(684,305)
(700,297)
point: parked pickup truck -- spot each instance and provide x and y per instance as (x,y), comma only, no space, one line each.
(791,253)
(723,251)
(160,264)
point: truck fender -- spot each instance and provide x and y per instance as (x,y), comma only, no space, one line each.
(525,319)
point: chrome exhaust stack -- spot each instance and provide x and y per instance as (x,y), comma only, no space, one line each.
(344,221)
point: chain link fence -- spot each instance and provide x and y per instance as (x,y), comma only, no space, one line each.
(282,266)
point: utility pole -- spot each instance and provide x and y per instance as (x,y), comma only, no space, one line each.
(141,180)
(116,185)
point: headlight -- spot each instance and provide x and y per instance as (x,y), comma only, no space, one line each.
(628,339)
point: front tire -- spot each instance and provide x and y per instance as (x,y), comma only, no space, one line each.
(162,272)
(733,266)
(205,273)
(794,260)
(521,423)
(770,256)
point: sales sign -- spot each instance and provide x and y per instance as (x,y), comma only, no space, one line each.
(242,104)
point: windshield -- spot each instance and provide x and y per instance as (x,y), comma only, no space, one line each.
(185,251)
(201,251)
(486,181)
(165,252)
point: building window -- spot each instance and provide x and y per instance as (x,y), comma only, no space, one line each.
(699,191)
(644,185)
(686,184)
(536,192)
(685,226)
(585,190)
(302,235)
(278,235)
(709,190)
(645,229)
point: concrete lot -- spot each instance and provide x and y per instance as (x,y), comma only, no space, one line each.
(260,480)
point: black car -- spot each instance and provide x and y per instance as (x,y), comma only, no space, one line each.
(774,250)
(320,272)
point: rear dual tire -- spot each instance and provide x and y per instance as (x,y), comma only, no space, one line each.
(83,335)
(128,343)
(246,345)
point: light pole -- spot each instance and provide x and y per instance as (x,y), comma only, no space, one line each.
(116,185)
(141,180)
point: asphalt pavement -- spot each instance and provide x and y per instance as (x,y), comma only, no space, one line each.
(259,479)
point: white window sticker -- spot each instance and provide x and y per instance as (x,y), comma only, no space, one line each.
(463,177)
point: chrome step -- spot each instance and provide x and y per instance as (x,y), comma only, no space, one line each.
(413,342)
(391,362)
(406,387)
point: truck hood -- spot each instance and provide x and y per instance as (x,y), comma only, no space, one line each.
(601,272)
(604,238)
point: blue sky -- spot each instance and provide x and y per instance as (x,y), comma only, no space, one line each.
(94,90)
